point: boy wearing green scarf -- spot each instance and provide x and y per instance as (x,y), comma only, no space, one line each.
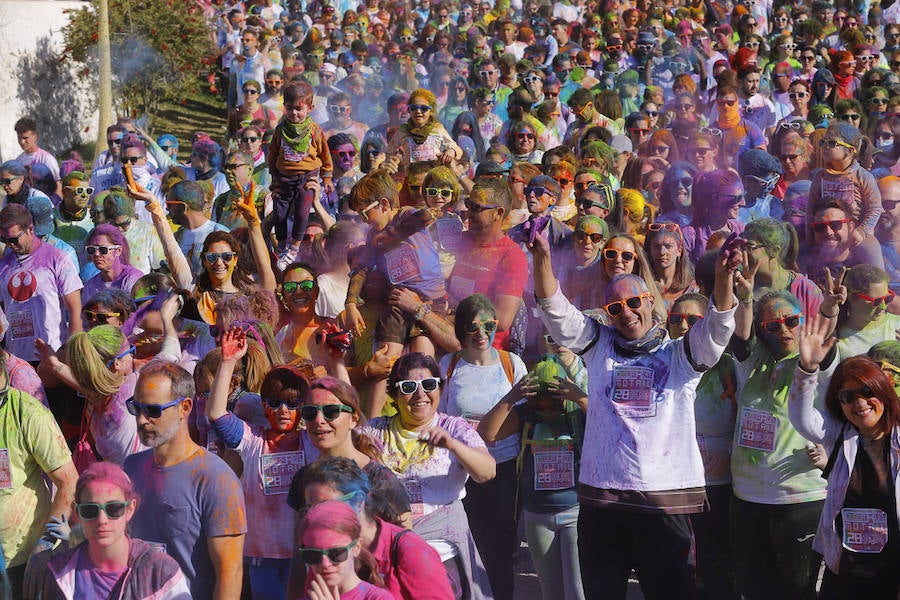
(298,154)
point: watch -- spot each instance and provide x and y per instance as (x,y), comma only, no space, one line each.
(422,310)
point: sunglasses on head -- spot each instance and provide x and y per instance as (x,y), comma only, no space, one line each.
(88,511)
(289,287)
(679,318)
(338,554)
(878,300)
(835,226)
(212,257)
(850,396)
(673,227)
(409,386)
(151,411)
(99,317)
(790,321)
(104,250)
(613,254)
(615,308)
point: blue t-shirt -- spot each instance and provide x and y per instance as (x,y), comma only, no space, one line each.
(183,505)
(90,582)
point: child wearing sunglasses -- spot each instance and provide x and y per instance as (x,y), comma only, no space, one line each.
(868,315)
(848,185)
(271,457)
(331,548)
(109,563)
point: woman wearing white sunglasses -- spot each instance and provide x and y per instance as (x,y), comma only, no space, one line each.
(434,454)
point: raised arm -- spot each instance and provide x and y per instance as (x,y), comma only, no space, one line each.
(175,258)
(234,348)
(247,207)
(814,345)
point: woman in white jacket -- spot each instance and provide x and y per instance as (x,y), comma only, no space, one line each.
(858,532)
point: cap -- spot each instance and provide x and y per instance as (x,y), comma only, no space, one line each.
(41,210)
(328,68)
(490,167)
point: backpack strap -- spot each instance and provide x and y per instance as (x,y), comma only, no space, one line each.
(450,368)
(395,548)
(506,361)
(832,457)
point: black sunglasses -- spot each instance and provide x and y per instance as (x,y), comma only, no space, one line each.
(338,554)
(849,396)
(679,318)
(275,404)
(308,412)
(88,511)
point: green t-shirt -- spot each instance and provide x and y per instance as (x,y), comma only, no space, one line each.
(852,342)
(31,444)
(769,464)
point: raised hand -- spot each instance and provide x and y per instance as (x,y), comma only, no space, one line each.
(234,344)
(835,293)
(815,342)
(246,205)
(745,279)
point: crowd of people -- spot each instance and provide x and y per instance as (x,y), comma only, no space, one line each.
(616,276)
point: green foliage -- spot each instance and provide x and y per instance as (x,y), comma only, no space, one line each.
(159,50)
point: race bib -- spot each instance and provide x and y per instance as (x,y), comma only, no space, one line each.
(757,429)
(278,469)
(416,496)
(402,264)
(554,470)
(422,152)
(5,470)
(865,530)
(633,394)
(838,190)
(21,324)
(449,232)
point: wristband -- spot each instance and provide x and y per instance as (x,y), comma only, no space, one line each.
(822,312)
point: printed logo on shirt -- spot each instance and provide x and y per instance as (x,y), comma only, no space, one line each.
(21,286)
(402,264)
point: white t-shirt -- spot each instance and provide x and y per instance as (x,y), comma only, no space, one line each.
(41,157)
(332,293)
(191,242)
(473,390)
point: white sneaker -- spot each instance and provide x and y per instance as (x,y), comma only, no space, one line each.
(287,258)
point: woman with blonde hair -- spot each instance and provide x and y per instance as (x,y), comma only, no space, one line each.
(637,213)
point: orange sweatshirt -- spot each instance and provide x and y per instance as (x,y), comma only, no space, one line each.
(284,160)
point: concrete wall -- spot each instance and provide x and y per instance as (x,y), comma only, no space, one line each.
(34,83)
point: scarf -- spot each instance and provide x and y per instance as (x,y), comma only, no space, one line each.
(297,135)
(405,447)
(632,348)
(419,134)
(729,116)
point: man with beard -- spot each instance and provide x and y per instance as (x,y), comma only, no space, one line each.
(887,231)
(192,504)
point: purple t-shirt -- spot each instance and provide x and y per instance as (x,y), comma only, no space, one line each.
(32,288)
(182,506)
(125,281)
(91,582)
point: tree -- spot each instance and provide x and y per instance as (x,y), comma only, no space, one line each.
(159,50)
